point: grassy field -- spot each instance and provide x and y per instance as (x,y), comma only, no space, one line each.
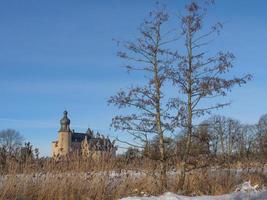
(115,178)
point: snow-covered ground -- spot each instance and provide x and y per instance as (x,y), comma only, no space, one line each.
(233,196)
(244,192)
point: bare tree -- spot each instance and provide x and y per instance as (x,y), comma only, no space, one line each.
(152,148)
(200,147)
(228,132)
(262,136)
(231,138)
(217,130)
(132,153)
(148,112)
(247,143)
(10,140)
(199,75)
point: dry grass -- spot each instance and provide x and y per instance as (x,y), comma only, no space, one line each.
(110,179)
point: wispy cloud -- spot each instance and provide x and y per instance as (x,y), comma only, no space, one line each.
(27,123)
(43,124)
(60,86)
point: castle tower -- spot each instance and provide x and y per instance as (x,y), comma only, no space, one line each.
(64,140)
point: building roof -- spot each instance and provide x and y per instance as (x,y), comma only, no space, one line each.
(97,142)
(77,137)
(65,122)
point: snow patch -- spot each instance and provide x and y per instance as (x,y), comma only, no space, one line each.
(247,187)
(243,192)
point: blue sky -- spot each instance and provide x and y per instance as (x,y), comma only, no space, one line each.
(59,54)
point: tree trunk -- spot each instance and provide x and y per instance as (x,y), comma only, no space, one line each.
(189,112)
(181,183)
(163,175)
(163,168)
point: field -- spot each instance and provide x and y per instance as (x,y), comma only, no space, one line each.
(118,178)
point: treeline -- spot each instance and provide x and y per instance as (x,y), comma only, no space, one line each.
(218,139)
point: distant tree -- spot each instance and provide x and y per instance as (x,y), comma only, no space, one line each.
(147,114)
(248,141)
(152,149)
(199,75)
(10,140)
(200,154)
(201,139)
(262,124)
(231,138)
(132,153)
(36,153)
(262,136)
(225,133)
(26,152)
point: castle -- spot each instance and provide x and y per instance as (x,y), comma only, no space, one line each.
(83,144)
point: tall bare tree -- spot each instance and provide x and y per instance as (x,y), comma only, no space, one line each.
(148,114)
(199,75)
